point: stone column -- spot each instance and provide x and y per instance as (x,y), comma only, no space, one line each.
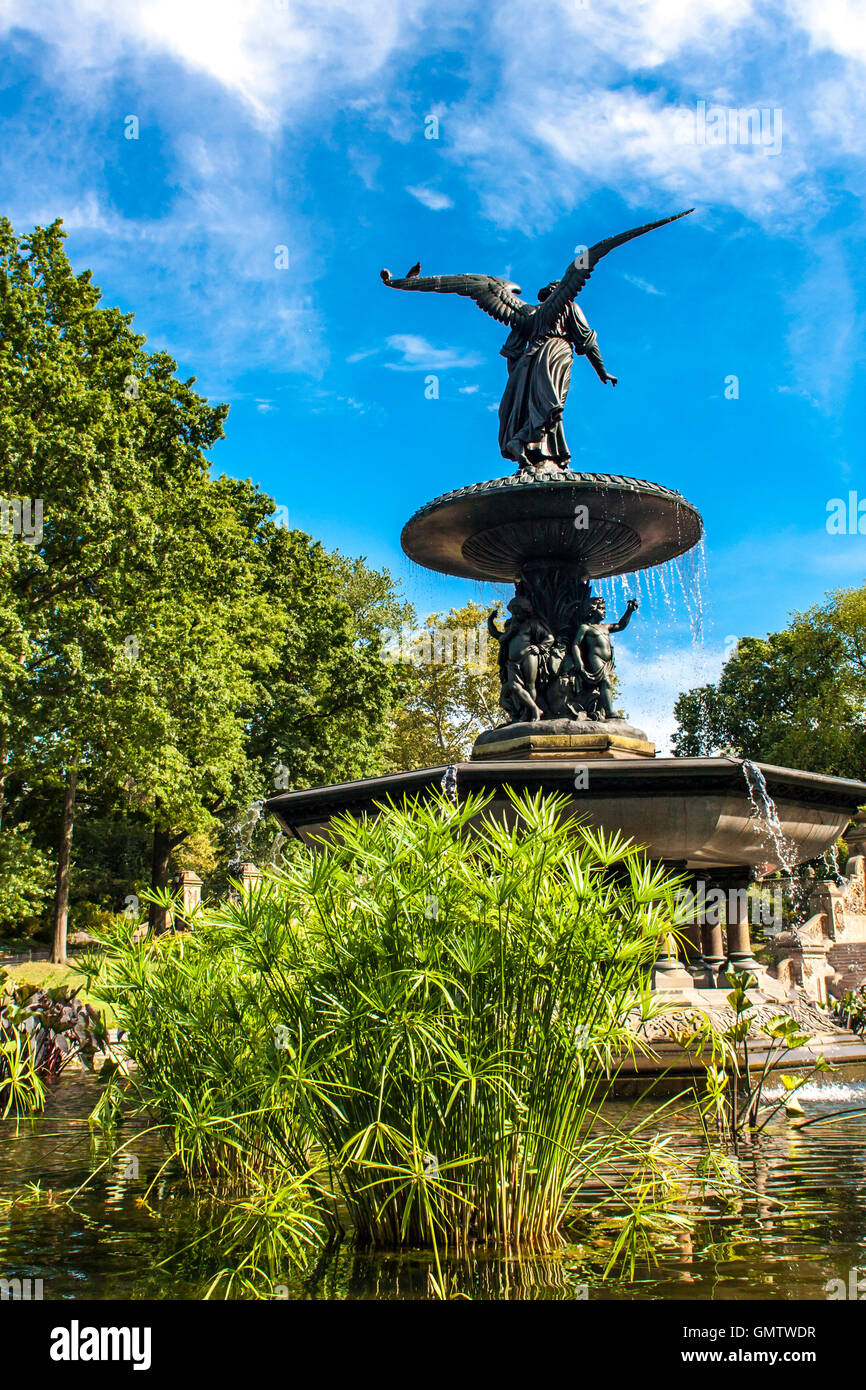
(669,972)
(712,948)
(735,885)
(855,869)
(250,876)
(189,885)
(708,928)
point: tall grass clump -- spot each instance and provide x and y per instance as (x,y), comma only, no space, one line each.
(413,1024)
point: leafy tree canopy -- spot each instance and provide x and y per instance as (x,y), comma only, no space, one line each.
(796,698)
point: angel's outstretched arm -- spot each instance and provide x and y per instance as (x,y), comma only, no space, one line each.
(588,346)
(496,297)
(579,270)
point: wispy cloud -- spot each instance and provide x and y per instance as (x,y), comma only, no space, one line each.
(232,91)
(651,685)
(432,198)
(420,356)
(642,284)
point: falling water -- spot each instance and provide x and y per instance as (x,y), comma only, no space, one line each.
(244,830)
(275,853)
(830,858)
(800,885)
(765,812)
(449,782)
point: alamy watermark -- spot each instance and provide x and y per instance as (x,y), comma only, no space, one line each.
(712,124)
(854,1288)
(435,646)
(710,906)
(18,1290)
(846,516)
(22,517)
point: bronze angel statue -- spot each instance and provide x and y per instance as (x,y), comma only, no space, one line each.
(539,348)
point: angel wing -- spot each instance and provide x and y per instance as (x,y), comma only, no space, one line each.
(580,269)
(496,297)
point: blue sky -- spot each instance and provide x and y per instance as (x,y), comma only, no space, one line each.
(271,124)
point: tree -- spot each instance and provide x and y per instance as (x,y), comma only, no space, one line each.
(449,675)
(322,713)
(104,436)
(168,645)
(796,698)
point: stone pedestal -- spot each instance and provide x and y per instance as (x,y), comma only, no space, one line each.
(187,887)
(828,898)
(564,739)
(190,893)
(669,973)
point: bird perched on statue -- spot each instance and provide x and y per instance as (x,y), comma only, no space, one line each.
(410,274)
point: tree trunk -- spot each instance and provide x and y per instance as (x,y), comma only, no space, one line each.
(162,847)
(64,856)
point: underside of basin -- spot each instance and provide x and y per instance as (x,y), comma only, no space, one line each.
(596,523)
(690,811)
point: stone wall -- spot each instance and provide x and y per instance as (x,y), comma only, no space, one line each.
(827,957)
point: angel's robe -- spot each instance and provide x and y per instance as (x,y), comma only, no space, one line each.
(539,354)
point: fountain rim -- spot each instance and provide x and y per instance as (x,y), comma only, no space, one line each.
(649,777)
(437,534)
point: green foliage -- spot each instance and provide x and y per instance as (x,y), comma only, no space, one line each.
(164,646)
(416,1022)
(445,705)
(25,879)
(41,1032)
(734,1089)
(852,1009)
(796,698)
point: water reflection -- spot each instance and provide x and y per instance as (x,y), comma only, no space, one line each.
(802,1225)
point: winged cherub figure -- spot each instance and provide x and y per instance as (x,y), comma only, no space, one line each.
(539,348)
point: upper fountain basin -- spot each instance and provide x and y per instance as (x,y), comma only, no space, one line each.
(596,523)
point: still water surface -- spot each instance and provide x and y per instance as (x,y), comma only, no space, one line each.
(109,1243)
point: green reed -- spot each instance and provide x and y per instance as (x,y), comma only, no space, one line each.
(413,1025)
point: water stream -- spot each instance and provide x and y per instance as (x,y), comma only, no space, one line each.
(449,782)
(799,885)
(767,816)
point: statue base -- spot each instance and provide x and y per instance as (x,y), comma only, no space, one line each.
(563,739)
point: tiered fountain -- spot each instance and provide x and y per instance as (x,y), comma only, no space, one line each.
(550,532)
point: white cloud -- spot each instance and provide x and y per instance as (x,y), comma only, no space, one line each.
(835,25)
(823,310)
(273,56)
(227,82)
(642,284)
(420,356)
(649,686)
(282,59)
(430,197)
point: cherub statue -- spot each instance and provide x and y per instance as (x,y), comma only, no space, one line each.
(592,654)
(523,644)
